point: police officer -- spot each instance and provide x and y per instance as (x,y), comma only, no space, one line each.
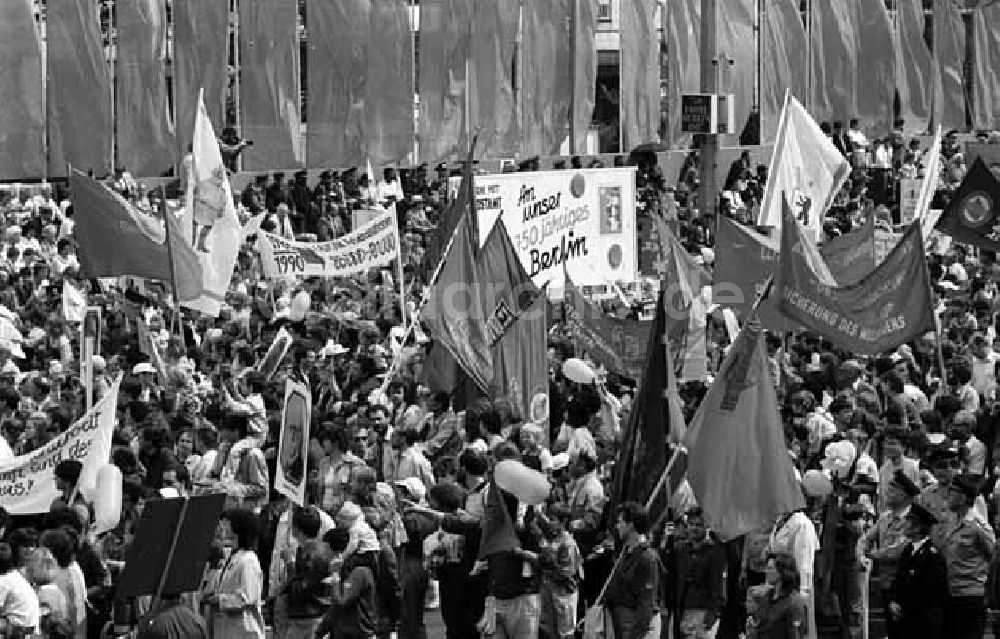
(945,465)
(919,590)
(967,545)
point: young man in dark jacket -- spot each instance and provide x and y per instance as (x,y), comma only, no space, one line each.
(633,594)
(701,578)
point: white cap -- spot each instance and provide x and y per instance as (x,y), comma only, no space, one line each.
(144,367)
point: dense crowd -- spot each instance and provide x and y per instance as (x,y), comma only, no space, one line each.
(400,475)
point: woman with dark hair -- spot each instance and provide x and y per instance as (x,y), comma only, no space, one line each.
(780,610)
(69,578)
(236,604)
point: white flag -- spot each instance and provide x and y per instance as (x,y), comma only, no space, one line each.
(932,175)
(74,303)
(216,232)
(806,167)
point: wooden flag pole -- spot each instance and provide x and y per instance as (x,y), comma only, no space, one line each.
(170,556)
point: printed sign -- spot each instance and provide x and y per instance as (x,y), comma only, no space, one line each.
(28,482)
(583,218)
(374,245)
(909,196)
(293,446)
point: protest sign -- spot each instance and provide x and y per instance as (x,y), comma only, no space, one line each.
(619,344)
(28,483)
(909,196)
(883,310)
(374,245)
(293,445)
(584,218)
(272,359)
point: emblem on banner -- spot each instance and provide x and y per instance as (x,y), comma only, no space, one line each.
(977,209)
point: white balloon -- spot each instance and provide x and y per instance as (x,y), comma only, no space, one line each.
(816,483)
(108,498)
(300,305)
(528,485)
(578,371)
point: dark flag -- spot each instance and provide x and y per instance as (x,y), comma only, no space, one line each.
(886,308)
(644,451)
(437,241)
(972,216)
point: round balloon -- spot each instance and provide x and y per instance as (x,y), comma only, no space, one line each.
(528,485)
(108,497)
(816,483)
(576,370)
(578,185)
(300,305)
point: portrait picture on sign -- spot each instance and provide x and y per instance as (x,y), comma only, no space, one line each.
(610,201)
(293,445)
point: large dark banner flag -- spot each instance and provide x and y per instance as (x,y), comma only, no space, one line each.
(22,118)
(389,82)
(546,76)
(887,308)
(445,47)
(973,212)
(491,97)
(877,74)
(336,76)
(783,48)
(834,60)
(269,84)
(986,66)
(144,129)
(618,344)
(584,68)
(79,90)
(949,51)
(640,73)
(201,61)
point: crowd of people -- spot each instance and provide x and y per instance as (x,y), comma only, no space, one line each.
(900,533)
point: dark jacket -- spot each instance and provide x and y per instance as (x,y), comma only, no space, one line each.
(305,588)
(921,590)
(353,604)
(701,569)
(784,618)
(635,584)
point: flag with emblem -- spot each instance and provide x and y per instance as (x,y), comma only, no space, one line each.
(806,167)
(738,465)
(211,223)
(973,216)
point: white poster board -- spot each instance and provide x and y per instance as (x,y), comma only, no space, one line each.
(909,196)
(584,218)
(293,445)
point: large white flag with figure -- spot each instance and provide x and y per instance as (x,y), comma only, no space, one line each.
(806,167)
(211,222)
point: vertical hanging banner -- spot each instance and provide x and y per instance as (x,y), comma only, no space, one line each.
(338,44)
(22,114)
(683,34)
(584,69)
(144,130)
(738,38)
(986,66)
(269,84)
(916,75)
(877,75)
(293,444)
(389,83)
(949,53)
(445,46)
(640,74)
(201,62)
(834,60)
(491,97)
(79,90)
(545,77)
(783,48)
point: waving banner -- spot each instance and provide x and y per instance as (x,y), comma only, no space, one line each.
(618,344)
(881,311)
(374,245)
(28,482)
